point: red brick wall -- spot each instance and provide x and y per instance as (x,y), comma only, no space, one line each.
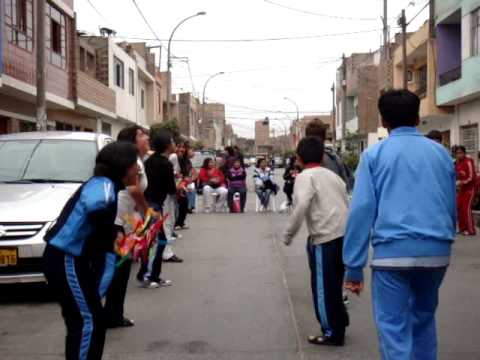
(21,65)
(93,91)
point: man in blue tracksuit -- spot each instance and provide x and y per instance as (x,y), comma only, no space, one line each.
(404,201)
(78,261)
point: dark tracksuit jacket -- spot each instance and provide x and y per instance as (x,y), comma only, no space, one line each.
(79,264)
(161,182)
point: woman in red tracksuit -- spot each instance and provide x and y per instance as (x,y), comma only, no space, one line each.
(465,168)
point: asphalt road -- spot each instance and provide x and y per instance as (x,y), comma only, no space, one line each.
(239,295)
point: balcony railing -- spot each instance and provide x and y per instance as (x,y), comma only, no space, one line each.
(450,76)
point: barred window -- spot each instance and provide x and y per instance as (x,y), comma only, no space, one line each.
(19,23)
(56,42)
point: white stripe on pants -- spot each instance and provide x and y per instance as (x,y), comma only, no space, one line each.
(170,208)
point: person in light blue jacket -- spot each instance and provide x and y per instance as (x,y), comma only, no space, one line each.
(404,205)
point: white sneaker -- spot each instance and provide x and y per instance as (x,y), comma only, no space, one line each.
(150,284)
(165,282)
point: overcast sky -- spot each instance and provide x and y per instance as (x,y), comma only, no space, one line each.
(258,74)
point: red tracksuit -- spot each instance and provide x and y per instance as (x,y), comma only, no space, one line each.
(466,176)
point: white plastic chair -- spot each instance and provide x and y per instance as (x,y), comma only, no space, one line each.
(272,204)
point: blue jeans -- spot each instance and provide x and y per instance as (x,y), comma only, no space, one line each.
(192,197)
(264,196)
(404,305)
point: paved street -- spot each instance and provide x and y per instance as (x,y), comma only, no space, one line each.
(239,295)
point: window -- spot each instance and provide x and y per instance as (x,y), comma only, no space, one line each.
(476,32)
(142,98)
(19,23)
(470,138)
(55,26)
(409,75)
(131,81)
(118,69)
(106,128)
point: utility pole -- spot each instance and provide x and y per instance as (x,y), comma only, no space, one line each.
(334,124)
(344,102)
(385,29)
(432,19)
(40,43)
(403,23)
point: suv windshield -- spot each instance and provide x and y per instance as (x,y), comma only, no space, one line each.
(46,160)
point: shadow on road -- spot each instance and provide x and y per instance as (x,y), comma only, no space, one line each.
(13,294)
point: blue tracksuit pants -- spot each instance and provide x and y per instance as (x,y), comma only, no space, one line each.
(404,304)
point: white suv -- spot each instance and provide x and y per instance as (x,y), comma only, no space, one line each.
(39,171)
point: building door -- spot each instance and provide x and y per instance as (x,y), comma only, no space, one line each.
(446,139)
(469,137)
(3,125)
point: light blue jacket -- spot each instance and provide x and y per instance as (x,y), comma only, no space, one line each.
(404,200)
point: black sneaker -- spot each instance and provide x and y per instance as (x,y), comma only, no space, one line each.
(174,259)
(124,322)
(325,340)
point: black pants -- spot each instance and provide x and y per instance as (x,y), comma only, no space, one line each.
(182,202)
(327,271)
(74,285)
(114,305)
(243,197)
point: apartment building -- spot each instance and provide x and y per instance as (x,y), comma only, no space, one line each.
(297,130)
(212,127)
(18,72)
(458,47)
(189,115)
(422,80)
(262,137)
(357,89)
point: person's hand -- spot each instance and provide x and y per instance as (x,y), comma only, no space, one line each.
(355,287)
(287,240)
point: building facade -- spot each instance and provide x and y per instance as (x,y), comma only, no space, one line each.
(262,137)
(212,127)
(422,80)
(357,89)
(189,115)
(458,47)
(18,86)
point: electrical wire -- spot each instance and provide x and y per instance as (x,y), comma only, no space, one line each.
(97,11)
(307,12)
(416,15)
(286,38)
(147,23)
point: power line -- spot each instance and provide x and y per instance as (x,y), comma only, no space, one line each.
(319,112)
(307,12)
(286,38)
(147,23)
(416,15)
(97,11)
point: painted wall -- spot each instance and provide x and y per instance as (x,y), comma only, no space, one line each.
(126,103)
(449,47)
(1,39)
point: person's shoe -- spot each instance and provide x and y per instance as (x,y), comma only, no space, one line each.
(174,259)
(165,282)
(346,301)
(325,340)
(176,236)
(124,322)
(184,227)
(147,284)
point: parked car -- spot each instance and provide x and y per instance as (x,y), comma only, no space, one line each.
(39,172)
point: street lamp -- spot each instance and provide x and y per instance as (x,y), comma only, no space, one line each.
(204,90)
(169,63)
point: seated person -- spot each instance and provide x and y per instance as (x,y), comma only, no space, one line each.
(236,177)
(264,182)
(212,181)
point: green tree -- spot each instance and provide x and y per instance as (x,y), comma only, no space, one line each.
(170,125)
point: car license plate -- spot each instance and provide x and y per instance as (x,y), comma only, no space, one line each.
(8,257)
